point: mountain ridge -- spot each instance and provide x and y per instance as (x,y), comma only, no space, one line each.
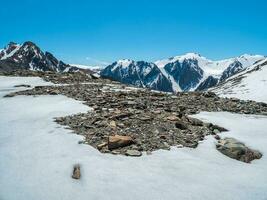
(189,72)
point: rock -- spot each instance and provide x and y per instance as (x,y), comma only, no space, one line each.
(100,146)
(113,124)
(172,118)
(76,174)
(180,125)
(216,131)
(219,128)
(217,137)
(22,85)
(195,122)
(145,118)
(122,116)
(10,95)
(118,141)
(237,150)
(54,92)
(179,146)
(133,153)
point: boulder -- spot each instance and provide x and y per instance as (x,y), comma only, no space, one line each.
(237,150)
(118,141)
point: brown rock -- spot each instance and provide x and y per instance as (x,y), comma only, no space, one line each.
(118,141)
(76,174)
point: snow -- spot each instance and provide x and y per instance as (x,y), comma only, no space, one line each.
(37,156)
(87,67)
(175,85)
(11,53)
(125,62)
(251,87)
(7,83)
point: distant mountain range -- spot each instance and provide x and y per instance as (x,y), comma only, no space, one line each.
(188,72)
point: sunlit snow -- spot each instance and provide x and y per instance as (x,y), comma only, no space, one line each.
(37,156)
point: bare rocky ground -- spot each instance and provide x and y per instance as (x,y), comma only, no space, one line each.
(131,121)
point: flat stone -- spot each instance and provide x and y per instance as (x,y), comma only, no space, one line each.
(133,153)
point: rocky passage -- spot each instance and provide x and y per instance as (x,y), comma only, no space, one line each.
(131,121)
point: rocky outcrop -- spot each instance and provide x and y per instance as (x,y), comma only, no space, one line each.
(207,83)
(237,150)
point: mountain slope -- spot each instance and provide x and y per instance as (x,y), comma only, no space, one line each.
(138,73)
(248,84)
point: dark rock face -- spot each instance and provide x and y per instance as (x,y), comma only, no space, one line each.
(29,57)
(140,74)
(208,83)
(187,74)
(233,69)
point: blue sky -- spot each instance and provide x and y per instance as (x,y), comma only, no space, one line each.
(100,32)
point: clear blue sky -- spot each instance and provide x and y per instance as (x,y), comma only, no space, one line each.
(99,31)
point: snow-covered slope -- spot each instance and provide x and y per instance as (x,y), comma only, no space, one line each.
(250,84)
(138,73)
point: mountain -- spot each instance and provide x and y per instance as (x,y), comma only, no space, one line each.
(250,84)
(30,57)
(184,70)
(194,72)
(138,73)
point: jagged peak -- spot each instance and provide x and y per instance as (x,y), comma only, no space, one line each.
(125,62)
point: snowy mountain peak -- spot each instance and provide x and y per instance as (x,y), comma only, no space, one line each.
(29,56)
(182,58)
(124,63)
